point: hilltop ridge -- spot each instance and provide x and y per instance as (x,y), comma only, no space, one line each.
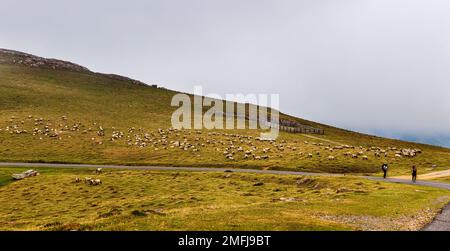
(24,59)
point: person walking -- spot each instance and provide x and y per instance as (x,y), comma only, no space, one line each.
(384,167)
(414,174)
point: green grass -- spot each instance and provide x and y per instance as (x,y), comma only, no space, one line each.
(169,200)
(4,180)
(91,98)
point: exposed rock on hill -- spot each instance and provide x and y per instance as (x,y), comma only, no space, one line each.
(20,58)
(25,59)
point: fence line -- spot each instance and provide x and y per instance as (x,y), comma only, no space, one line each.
(292,127)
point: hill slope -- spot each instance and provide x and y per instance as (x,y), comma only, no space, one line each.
(57,111)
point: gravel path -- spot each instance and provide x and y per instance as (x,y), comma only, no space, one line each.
(440,223)
(418,183)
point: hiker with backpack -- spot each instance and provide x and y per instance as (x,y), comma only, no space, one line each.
(384,167)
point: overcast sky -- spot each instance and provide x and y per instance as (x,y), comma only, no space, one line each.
(379,65)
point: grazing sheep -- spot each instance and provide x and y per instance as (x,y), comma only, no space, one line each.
(364,157)
(92,182)
(98,170)
(310,155)
(331,158)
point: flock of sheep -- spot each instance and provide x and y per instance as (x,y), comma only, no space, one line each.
(231,146)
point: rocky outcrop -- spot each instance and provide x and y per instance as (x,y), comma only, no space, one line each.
(24,59)
(20,58)
(26,174)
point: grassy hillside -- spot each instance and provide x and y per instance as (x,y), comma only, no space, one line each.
(55,114)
